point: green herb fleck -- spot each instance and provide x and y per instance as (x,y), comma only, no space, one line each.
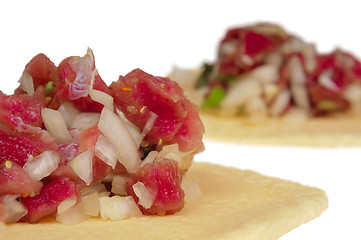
(215,97)
(146,151)
(49,87)
(224,78)
(204,77)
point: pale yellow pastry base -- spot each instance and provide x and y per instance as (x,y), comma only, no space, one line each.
(315,132)
(236,205)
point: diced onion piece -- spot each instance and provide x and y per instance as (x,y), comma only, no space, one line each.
(146,198)
(192,192)
(82,166)
(118,185)
(256,106)
(270,91)
(102,98)
(55,124)
(296,72)
(117,132)
(66,204)
(309,54)
(150,158)
(300,96)
(186,78)
(133,130)
(149,124)
(96,187)
(27,83)
(69,113)
(172,152)
(106,151)
(118,208)
(241,92)
(325,80)
(266,73)
(73,215)
(91,204)
(14,210)
(352,93)
(85,120)
(280,103)
(42,165)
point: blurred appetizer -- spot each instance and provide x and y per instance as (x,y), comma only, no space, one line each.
(264,73)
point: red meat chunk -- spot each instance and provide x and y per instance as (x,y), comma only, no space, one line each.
(23,112)
(76,76)
(47,201)
(164,179)
(17,147)
(139,94)
(41,69)
(14,180)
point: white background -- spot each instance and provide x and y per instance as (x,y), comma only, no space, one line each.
(156,35)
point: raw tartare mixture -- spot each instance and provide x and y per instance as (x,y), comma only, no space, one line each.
(262,70)
(74,148)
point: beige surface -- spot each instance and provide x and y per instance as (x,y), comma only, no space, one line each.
(236,205)
(316,132)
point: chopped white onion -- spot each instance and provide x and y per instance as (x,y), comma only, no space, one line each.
(69,112)
(146,198)
(150,158)
(228,48)
(106,151)
(91,204)
(42,165)
(300,96)
(118,184)
(192,192)
(241,92)
(82,166)
(270,91)
(55,124)
(14,210)
(85,120)
(73,215)
(96,187)
(184,159)
(102,98)
(266,73)
(280,103)
(27,83)
(118,134)
(352,93)
(295,70)
(118,208)
(325,80)
(309,53)
(66,204)
(133,130)
(256,105)
(184,77)
(149,124)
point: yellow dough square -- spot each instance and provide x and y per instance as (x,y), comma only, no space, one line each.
(313,132)
(236,204)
